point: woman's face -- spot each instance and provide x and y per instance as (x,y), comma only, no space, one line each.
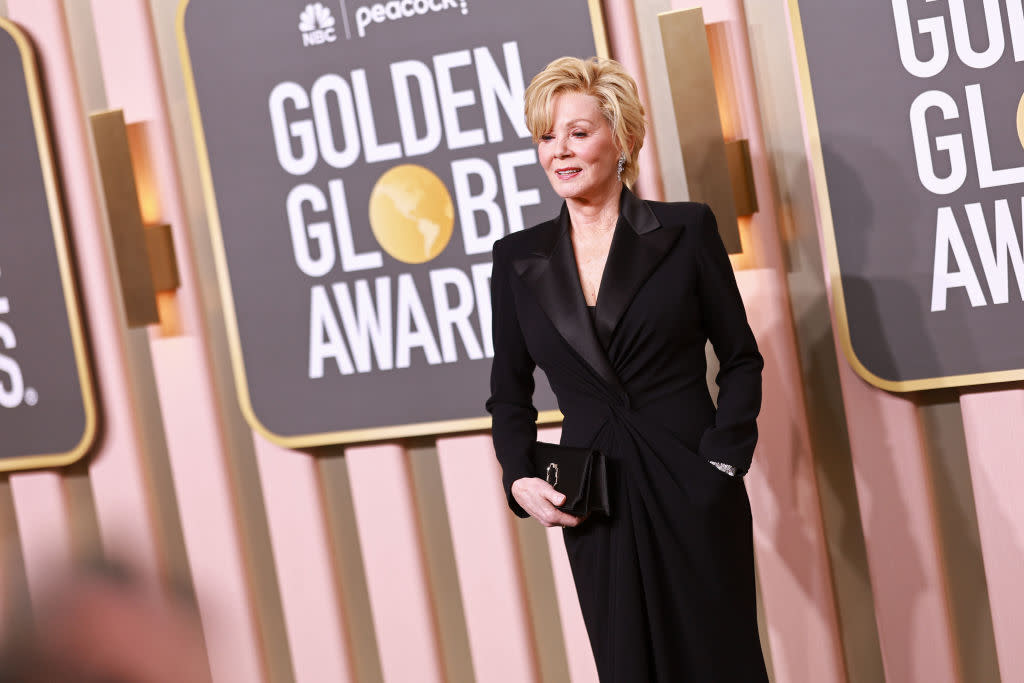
(579,153)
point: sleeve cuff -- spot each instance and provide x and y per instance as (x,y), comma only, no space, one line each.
(512,504)
(724,467)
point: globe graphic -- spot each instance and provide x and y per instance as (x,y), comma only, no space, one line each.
(411,213)
(1020,120)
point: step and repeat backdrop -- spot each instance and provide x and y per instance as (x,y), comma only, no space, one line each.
(920,121)
(47,407)
(362,159)
(357,160)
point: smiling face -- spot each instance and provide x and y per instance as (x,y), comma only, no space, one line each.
(579,153)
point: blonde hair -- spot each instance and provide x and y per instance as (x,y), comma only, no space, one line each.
(606,81)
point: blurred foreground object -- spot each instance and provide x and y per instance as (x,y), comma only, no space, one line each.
(102,625)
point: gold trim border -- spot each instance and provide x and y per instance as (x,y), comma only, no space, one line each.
(60,239)
(349,436)
(599,28)
(832,254)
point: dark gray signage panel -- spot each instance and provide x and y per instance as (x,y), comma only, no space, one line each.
(921,184)
(47,411)
(363,157)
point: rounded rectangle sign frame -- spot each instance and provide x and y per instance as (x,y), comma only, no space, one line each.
(834,273)
(47,166)
(347,436)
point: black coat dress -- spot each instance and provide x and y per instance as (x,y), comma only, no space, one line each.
(666,584)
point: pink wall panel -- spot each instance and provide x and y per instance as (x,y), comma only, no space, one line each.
(623,41)
(894,487)
(44,528)
(487,561)
(898,512)
(792,559)
(994,427)
(208,519)
(294,502)
(396,572)
(133,81)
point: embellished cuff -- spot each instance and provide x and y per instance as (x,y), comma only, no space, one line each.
(728,469)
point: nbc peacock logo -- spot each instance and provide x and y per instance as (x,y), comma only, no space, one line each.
(317,25)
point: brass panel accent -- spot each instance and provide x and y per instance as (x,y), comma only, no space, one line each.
(600,30)
(146,184)
(162,263)
(741,171)
(122,200)
(699,123)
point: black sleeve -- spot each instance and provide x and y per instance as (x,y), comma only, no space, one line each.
(514,418)
(732,438)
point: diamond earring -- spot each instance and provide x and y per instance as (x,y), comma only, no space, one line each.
(622,165)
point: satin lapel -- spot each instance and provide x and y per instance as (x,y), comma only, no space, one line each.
(551,274)
(638,246)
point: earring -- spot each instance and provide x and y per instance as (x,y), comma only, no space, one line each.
(622,165)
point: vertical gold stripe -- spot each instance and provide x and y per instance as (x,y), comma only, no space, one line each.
(600,30)
(439,556)
(349,567)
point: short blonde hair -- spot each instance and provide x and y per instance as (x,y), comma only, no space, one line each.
(606,81)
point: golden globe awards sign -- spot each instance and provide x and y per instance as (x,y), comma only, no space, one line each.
(47,410)
(920,122)
(363,158)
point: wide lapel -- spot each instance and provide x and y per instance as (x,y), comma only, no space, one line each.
(550,273)
(638,246)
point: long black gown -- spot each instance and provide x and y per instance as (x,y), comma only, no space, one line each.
(666,584)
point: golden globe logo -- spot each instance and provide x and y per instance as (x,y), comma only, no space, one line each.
(378,323)
(411,214)
(371,316)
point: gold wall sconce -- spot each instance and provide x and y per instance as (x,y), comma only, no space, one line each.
(145,256)
(718,172)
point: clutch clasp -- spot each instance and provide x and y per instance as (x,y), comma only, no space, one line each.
(551,470)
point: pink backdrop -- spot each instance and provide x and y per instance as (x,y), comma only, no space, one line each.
(316,567)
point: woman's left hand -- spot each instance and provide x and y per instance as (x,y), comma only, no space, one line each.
(540,500)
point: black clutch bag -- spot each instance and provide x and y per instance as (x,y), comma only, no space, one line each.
(579,473)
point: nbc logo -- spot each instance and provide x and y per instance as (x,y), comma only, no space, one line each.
(317,25)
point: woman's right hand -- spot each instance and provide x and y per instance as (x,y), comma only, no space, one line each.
(540,500)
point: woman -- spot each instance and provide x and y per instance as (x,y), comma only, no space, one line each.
(615,300)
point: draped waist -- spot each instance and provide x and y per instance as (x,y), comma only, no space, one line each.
(681,417)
